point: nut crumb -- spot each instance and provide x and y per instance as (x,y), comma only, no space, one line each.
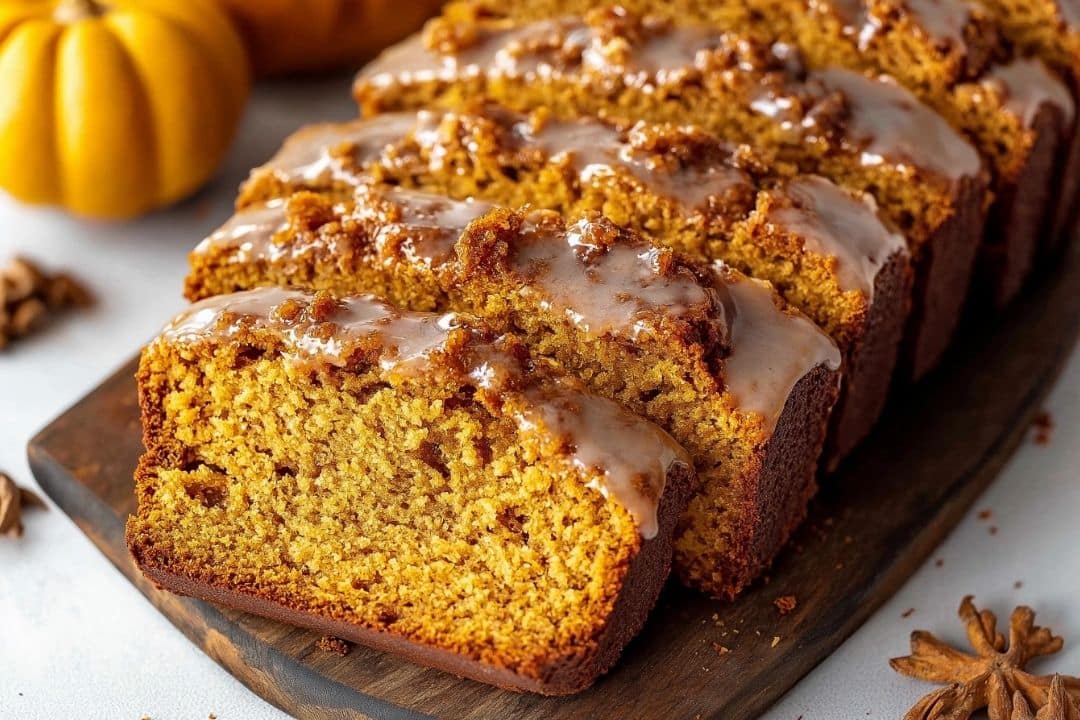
(993,530)
(13,500)
(720,649)
(907,613)
(1018,584)
(329,643)
(985,514)
(940,562)
(785,604)
(28,296)
(775,641)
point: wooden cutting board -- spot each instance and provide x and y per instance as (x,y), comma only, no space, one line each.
(873,524)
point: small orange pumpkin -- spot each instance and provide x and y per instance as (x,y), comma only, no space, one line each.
(110,108)
(300,36)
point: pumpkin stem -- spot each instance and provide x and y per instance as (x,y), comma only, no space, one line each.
(72,11)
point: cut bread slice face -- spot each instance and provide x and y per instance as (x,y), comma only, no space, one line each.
(718,360)
(409,481)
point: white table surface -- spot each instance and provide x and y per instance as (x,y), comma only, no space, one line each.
(78,641)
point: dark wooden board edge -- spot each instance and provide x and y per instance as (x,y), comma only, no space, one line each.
(985,395)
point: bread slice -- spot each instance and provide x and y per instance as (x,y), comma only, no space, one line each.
(825,250)
(1049,31)
(868,135)
(717,360)
(403,480)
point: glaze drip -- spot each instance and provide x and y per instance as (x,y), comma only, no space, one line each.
(618,288)
(632,456)
(1027,85)
(887,122)
(834,223)
(772,350)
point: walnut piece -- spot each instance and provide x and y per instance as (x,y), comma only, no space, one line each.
(28,295)
(12,501)
(993,678)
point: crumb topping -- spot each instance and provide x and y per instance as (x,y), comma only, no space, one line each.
(645,52)
(832,222)
(944,21)
(885,121)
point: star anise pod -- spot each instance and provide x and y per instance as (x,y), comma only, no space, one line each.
(994,676)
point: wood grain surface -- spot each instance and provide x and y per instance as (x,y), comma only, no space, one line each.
(872,525)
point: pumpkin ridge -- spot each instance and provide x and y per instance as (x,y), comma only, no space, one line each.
(99,191)
(13,18)
(221,86)
(218,38)
(47,186)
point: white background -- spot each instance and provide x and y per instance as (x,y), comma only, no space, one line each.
(77,641)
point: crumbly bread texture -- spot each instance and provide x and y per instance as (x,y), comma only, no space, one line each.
(950,54)
(716,359)
(401,480)
(866,134)
(825,250)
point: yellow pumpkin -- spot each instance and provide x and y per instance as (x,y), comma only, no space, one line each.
(110,108)
(298,36)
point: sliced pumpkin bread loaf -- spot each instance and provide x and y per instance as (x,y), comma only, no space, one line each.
(403,480)
(714,358)
(825,250)
(950,53)
(867,135)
